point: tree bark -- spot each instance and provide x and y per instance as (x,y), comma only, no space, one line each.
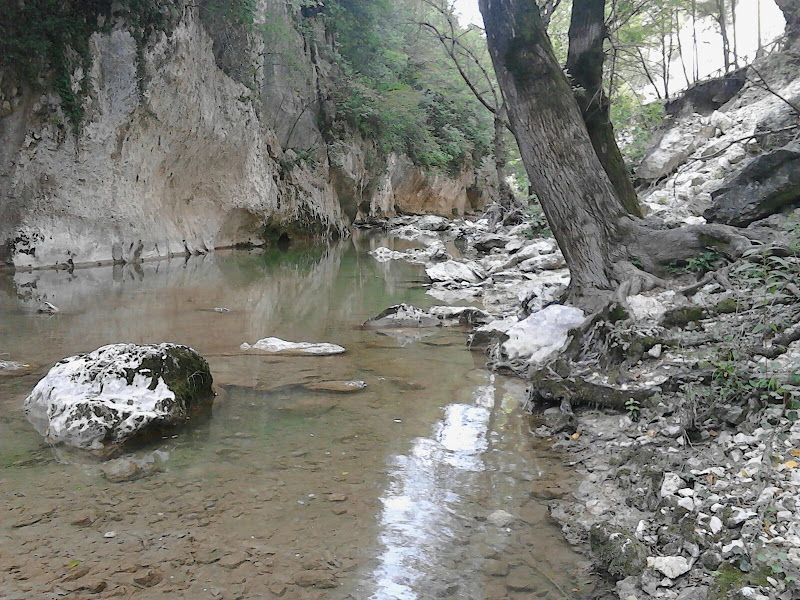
(791,12)
(585,58)
(577,197)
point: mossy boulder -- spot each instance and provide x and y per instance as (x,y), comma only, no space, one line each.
(118,393)
(683,315)
(617,551)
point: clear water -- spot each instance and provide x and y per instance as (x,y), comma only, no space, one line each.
(281,492)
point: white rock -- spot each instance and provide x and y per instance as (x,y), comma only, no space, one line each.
(542,334)
(451,270)
(547,262)
(112,393)
(275,345)
(501,518)
(715,525)
(670,566)
(671,484)
(721,121)
(686,503)
(651,308)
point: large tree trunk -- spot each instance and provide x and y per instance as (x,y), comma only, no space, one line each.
(587,32)
(791,12)
(597,235)
(577,196)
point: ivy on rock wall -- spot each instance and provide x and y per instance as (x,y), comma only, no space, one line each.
(44,42)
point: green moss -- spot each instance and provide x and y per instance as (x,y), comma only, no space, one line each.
(617,551)
(729,579)
(682,316)
(727,306)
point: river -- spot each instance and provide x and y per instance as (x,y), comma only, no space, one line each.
(280,491)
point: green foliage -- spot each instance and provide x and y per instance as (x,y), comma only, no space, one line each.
(400,90)
(633,407)
(535,219)
(700,264)
(634,123)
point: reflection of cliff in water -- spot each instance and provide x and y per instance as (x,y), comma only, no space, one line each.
(282,293)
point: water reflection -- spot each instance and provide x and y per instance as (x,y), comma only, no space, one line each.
(422,507)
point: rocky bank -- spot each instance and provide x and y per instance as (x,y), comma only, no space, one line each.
(685,427)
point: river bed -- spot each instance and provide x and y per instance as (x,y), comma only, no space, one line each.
(281,491)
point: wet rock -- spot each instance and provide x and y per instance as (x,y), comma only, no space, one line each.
(342,387)
(669,566)
(232,560)
(402,316)
(148,578)
(127,469)
(76,573)
(315,578)
(617,551)
(543,334)
(9,368)
(501,518)
(273,345)
(118,392)
(521,579)
(763,187)
(47,308)
(458,272)
(466,316)
(495,568)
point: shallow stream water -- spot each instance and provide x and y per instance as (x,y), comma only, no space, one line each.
(280,491)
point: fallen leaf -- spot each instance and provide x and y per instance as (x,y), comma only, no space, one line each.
(791,464)
(73,563)
(794,452)
(345,472)
(576,435)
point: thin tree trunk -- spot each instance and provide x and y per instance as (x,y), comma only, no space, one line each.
(585,59)
(577,197)
(735,35)
(695,57)
(680,47)
(500,127)
(723,30)
(760,50)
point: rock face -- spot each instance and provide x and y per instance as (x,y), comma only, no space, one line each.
(180,151)
(118,392)
(769,183)
(671,152)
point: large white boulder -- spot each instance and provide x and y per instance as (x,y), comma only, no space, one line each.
(542,334)
(118,392)
(453,271)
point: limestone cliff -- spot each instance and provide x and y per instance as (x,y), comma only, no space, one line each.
(191,139)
